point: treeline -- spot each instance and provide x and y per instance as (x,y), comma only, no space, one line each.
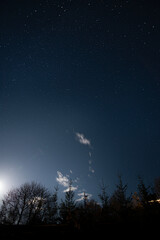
(33,204)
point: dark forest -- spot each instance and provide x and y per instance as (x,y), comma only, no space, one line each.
(33,208)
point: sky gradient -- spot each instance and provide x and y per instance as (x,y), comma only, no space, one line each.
(79,92)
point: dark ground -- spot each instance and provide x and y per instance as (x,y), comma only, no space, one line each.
(55,231)
(47,232)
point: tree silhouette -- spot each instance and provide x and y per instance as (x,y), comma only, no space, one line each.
(103,196)
(32,203)
(25,204)
(68,205)
(119,202)
(144,193)
(51,210)
(157,187)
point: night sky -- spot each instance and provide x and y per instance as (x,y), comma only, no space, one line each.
(79,92)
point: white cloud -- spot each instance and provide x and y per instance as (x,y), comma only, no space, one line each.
(81,138)
(62,180)
(81,196)
(72,189)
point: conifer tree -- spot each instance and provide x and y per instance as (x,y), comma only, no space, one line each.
(68,205)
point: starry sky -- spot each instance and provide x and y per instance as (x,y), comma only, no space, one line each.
(79,92)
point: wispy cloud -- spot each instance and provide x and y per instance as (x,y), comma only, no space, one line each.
(72,189)
(91,169)
(81,196)
(90,161)
(82,139)
(64,181)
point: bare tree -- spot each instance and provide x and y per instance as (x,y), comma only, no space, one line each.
(25,204)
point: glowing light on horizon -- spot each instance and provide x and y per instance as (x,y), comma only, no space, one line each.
(2,187)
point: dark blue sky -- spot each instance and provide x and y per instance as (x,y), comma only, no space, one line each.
(79,92)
